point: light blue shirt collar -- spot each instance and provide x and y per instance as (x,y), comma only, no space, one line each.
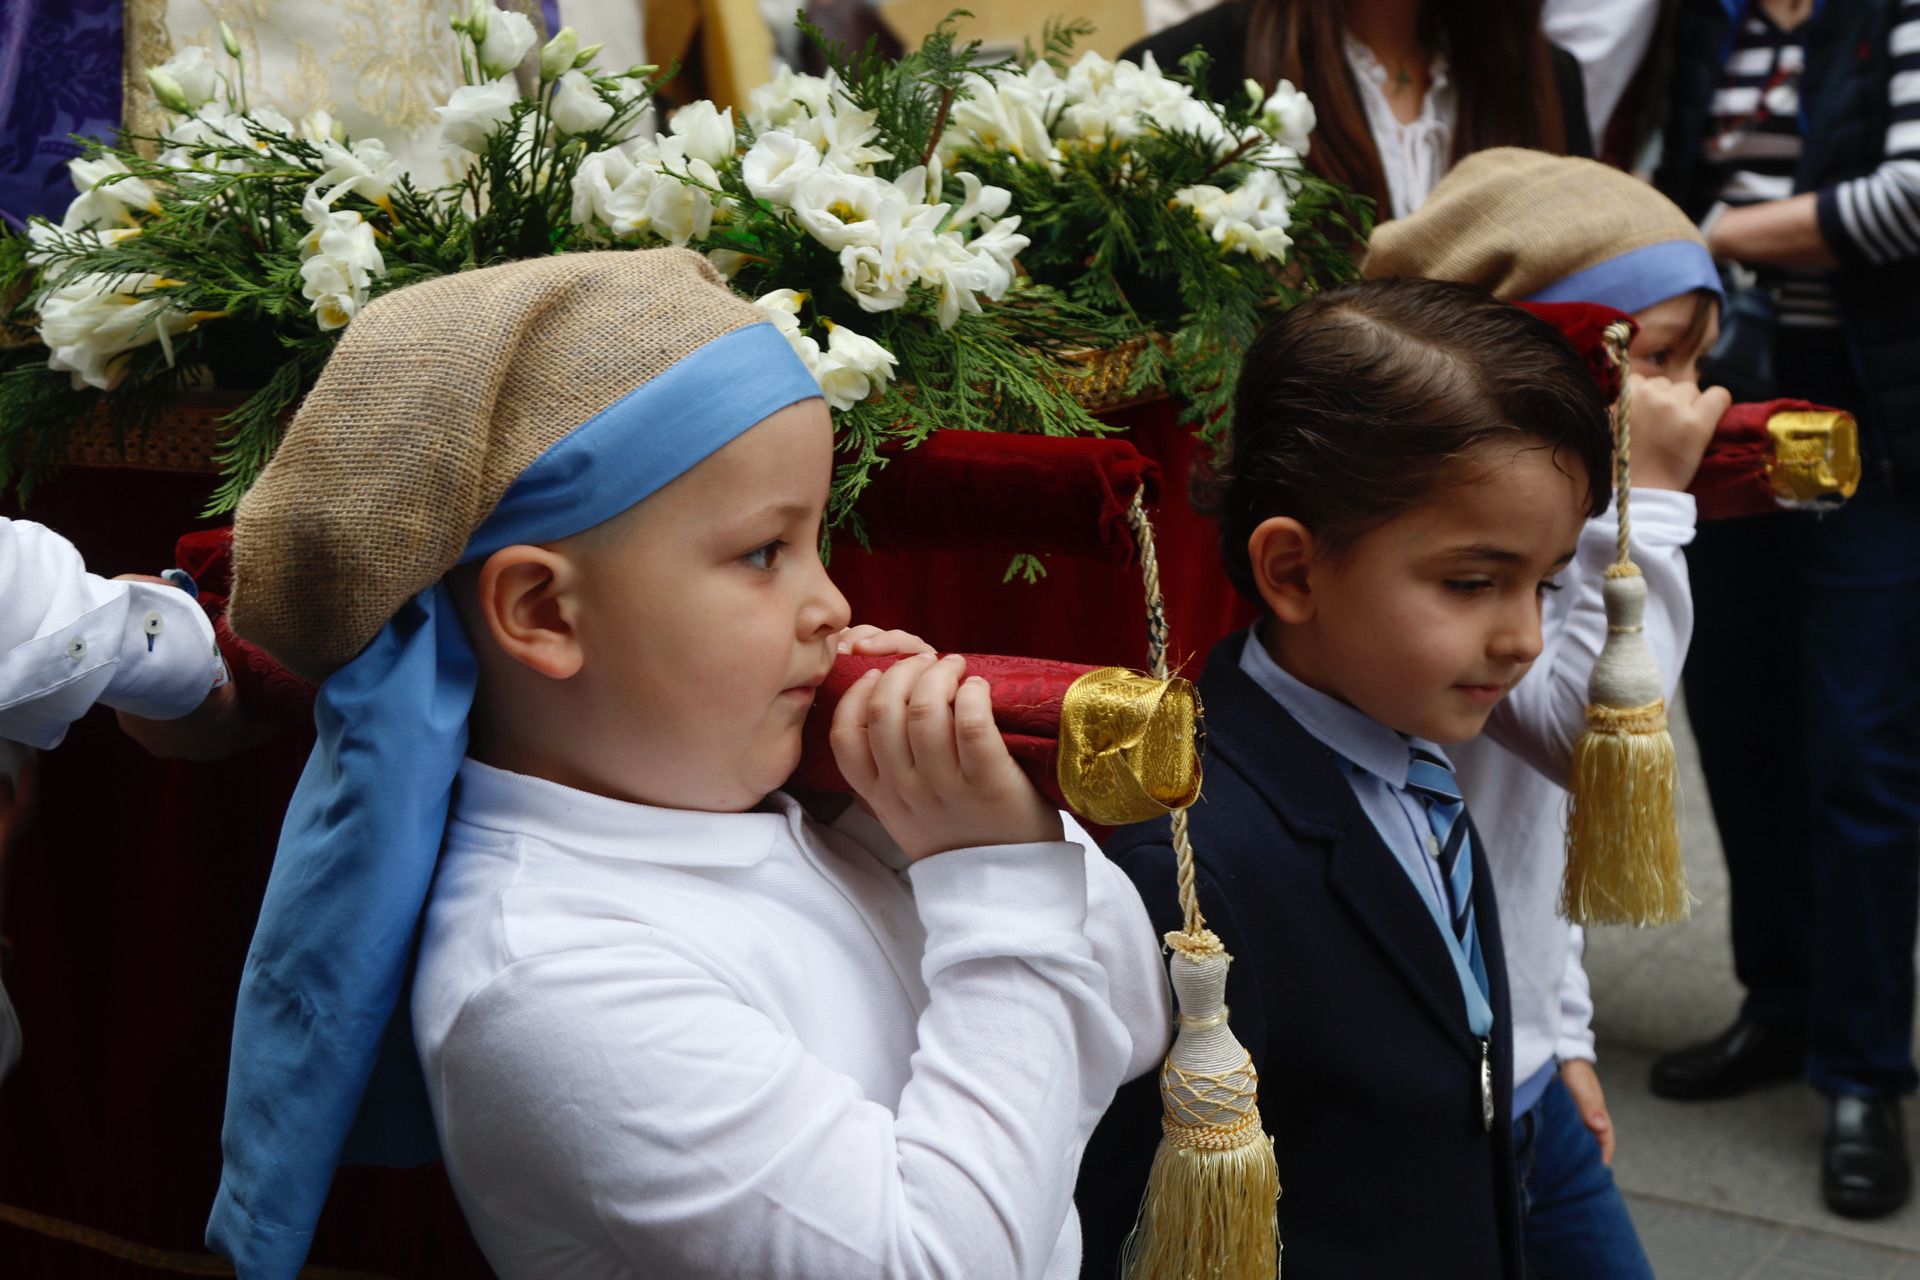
(1351,732)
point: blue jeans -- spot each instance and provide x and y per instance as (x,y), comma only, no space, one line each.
(1803,683)
(1574,1224)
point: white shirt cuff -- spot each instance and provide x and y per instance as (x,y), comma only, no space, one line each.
(169,661)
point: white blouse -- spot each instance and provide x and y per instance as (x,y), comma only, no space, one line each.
(1414,155)
(666,1044)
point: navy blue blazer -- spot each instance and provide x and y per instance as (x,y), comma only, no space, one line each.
(1343,991)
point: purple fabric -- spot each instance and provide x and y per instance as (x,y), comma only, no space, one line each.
(59,75)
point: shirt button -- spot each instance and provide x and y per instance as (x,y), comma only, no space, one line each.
(152,624)
(77,650)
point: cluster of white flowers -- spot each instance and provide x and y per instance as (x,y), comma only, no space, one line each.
(339,257)
(1252,218)
(662,185)
(92,320)
(1034,113)
(849,370)
(812,161)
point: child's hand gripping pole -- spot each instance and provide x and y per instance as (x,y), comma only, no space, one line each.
(1211,1204)
(1623,837)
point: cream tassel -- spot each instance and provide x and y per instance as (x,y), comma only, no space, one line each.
(1210,1208)
(1623,836)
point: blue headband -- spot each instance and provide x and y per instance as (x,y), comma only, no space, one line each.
(324,1069)
(1640,278)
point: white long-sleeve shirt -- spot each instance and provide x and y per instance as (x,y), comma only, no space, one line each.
(1513,775)
(69,639)
(664,1043)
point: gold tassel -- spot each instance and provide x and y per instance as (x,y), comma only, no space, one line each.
(1623,834)
(1210,1211)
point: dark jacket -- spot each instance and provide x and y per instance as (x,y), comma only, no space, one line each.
(1343,991)
(1843,123)
(1222,32)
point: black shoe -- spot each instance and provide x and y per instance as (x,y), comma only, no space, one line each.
(1745,1056)
(1864,1172)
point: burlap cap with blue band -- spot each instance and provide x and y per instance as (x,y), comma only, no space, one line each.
(518,404)
(1531,227)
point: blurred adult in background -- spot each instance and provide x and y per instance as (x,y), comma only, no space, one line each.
(1794,136)
(1610,38)
(1401,88)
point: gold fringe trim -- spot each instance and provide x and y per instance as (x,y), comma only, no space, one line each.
(1623,835)
(1208,1215)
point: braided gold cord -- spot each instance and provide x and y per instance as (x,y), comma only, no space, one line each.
(1618,335)
(1199,939)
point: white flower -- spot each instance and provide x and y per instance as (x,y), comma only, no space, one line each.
(842,209)
(365,163)
(267,119)
(853,367)
(983,266)
(91,321)
(787,97)
(679,211)
(594,184)
(339,258)
(1008,112)
(577,106)
(1289,117)
(558,54)
(706,133)
(637,193)
(843,138)
(776,165)
(194,74)
(1252,218)
(981,201)
(475,111)
(509,36)
(104,203)
(878,275)
(783,310)
(994,250)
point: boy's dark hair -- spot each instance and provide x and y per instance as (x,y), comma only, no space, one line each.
(1359,404)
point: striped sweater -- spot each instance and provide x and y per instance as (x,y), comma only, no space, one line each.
(1754,148)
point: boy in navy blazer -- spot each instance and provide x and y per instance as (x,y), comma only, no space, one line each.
(1410,464)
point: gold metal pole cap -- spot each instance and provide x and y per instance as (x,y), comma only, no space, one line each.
(1815,457)
(1129,750)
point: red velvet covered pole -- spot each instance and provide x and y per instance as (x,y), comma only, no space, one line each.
(1109,745)
(1774,455)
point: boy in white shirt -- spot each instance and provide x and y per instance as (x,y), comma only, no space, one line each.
(671,1024)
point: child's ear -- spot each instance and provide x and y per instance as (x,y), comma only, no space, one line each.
(526,598)
(1280,550)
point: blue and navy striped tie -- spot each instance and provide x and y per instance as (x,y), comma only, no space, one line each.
(1431,780)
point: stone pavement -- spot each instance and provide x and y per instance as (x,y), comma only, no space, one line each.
(1720,1190)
